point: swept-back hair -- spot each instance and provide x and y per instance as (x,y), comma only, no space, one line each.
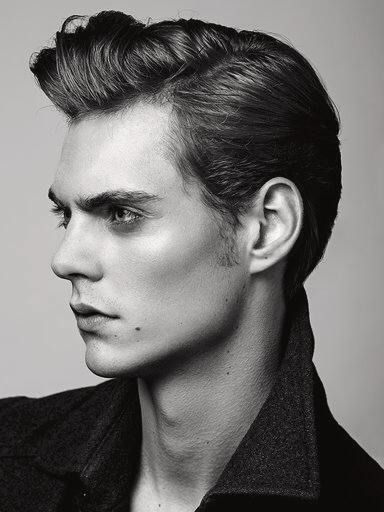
(246,106)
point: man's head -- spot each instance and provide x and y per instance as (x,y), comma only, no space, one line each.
(236,137)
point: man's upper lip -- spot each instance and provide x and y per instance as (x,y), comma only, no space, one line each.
(84,309)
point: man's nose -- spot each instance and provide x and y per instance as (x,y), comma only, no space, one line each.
(78,254)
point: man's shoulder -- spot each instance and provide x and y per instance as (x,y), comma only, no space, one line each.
(22,418)
(347,471)
(349,468)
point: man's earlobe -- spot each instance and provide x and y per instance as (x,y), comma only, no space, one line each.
(278,212)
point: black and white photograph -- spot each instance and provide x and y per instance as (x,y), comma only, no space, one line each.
(192,252)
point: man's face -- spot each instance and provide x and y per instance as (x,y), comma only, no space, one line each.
(154,267)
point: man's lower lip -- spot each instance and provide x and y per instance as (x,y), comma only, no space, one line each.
(92,322)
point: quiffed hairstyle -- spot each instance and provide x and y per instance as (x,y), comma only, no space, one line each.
(246,107)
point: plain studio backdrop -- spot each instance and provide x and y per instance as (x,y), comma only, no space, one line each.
(42,352)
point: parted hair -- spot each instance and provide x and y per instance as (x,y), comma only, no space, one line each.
(246,107)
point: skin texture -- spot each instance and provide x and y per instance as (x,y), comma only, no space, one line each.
(201,336)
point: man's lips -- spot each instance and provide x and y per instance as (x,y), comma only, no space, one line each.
(86,310)
(90,318)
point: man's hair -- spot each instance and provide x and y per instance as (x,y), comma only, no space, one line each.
(246,107)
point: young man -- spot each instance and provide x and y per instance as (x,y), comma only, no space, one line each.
(198,186)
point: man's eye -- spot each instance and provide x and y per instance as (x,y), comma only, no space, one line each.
(123,215)
(117,215)
(64,215)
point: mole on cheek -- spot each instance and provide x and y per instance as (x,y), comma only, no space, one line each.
(137,328)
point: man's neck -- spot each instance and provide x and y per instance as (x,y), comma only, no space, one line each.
(194,418)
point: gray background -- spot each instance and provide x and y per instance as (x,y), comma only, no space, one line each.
(42,352)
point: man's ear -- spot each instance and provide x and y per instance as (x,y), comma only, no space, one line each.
(275,222)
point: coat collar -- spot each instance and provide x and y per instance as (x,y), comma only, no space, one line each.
(99,442)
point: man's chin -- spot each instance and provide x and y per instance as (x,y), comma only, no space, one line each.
(105,361)
(109,360)
(107,373)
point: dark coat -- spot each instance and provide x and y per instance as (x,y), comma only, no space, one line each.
(78,450)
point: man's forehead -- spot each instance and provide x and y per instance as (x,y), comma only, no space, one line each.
(140,132)
(126,150)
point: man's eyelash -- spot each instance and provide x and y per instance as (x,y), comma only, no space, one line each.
(56,209)
(59,211)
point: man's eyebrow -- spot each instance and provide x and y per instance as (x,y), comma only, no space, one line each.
(136,198)
(53,197)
